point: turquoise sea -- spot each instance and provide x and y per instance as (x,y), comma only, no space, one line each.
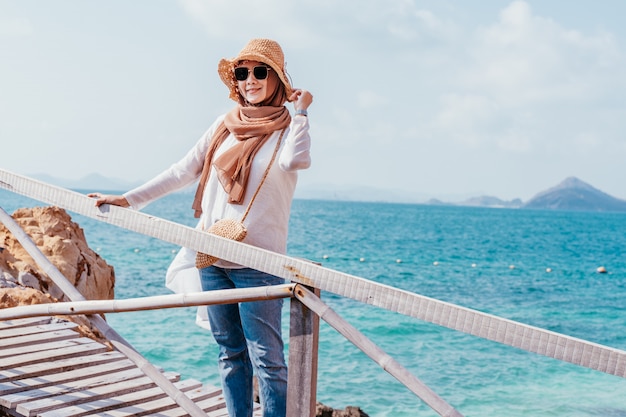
(535,267)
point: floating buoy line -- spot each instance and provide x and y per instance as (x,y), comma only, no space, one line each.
(600,269)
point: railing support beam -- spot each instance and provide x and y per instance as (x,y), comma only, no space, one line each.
(303,354)
(312,301)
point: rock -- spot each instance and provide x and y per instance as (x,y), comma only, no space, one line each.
(322,410)
(19,296)
(64,244)
(26,279)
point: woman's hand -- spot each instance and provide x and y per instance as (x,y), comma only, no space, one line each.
(116,200)
(301,99)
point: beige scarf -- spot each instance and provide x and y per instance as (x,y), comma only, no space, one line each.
(252,127)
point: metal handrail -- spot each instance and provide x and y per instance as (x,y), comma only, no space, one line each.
(532,339)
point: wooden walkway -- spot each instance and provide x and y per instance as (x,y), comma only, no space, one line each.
(48,369)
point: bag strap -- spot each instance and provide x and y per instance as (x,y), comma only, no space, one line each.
(267,171)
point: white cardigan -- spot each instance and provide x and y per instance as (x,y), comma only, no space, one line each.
(268,220)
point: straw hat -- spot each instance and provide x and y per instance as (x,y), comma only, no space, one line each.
(266,51)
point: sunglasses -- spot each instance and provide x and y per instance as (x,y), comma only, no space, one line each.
(260,72)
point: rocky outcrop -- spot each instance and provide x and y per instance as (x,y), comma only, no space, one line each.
(64,244)
(322,410)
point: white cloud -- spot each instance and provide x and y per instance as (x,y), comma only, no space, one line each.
(528,83)
(466,118)
(370,99)
(15,27)
(587,141)
(537,59)
(240,20)
(514,141)
(407,22)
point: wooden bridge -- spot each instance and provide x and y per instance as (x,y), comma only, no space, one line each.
(305,279)
(48,369)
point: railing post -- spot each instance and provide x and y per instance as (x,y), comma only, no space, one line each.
(303,352)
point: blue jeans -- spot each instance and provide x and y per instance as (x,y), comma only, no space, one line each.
(249,337)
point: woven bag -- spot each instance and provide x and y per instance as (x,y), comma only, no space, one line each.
(228,228)
(231,228)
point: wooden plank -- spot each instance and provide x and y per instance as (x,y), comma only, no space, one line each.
(65,378)
(57,384)
(49,355)
(215,401)
(31,321)
(136,400)
(155,408)
(105,404)
(52,404)
(43,345)
(214,406)
(222,412)
(39,328)
(210,405)
(30,339)
(60,365)
(48,391)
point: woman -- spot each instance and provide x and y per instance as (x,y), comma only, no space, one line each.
(230,160)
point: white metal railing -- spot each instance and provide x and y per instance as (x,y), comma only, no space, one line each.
(533,339)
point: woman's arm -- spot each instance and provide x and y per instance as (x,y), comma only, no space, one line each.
(178,176)
(296,151)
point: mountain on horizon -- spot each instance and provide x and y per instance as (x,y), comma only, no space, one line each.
(570,194)
(490,201)
(574,194)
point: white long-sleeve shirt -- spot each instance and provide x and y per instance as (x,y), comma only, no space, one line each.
(268,220)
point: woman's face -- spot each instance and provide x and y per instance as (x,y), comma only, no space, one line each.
(253,90)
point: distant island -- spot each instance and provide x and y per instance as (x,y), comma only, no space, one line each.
(481,201)
(570,194)
(574,194)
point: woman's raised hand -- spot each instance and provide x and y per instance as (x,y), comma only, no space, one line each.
(301,99)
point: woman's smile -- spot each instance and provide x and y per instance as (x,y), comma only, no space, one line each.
(252,89)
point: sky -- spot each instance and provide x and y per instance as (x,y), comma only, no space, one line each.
(436,98)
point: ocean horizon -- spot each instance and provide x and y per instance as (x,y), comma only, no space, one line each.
(532,266)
